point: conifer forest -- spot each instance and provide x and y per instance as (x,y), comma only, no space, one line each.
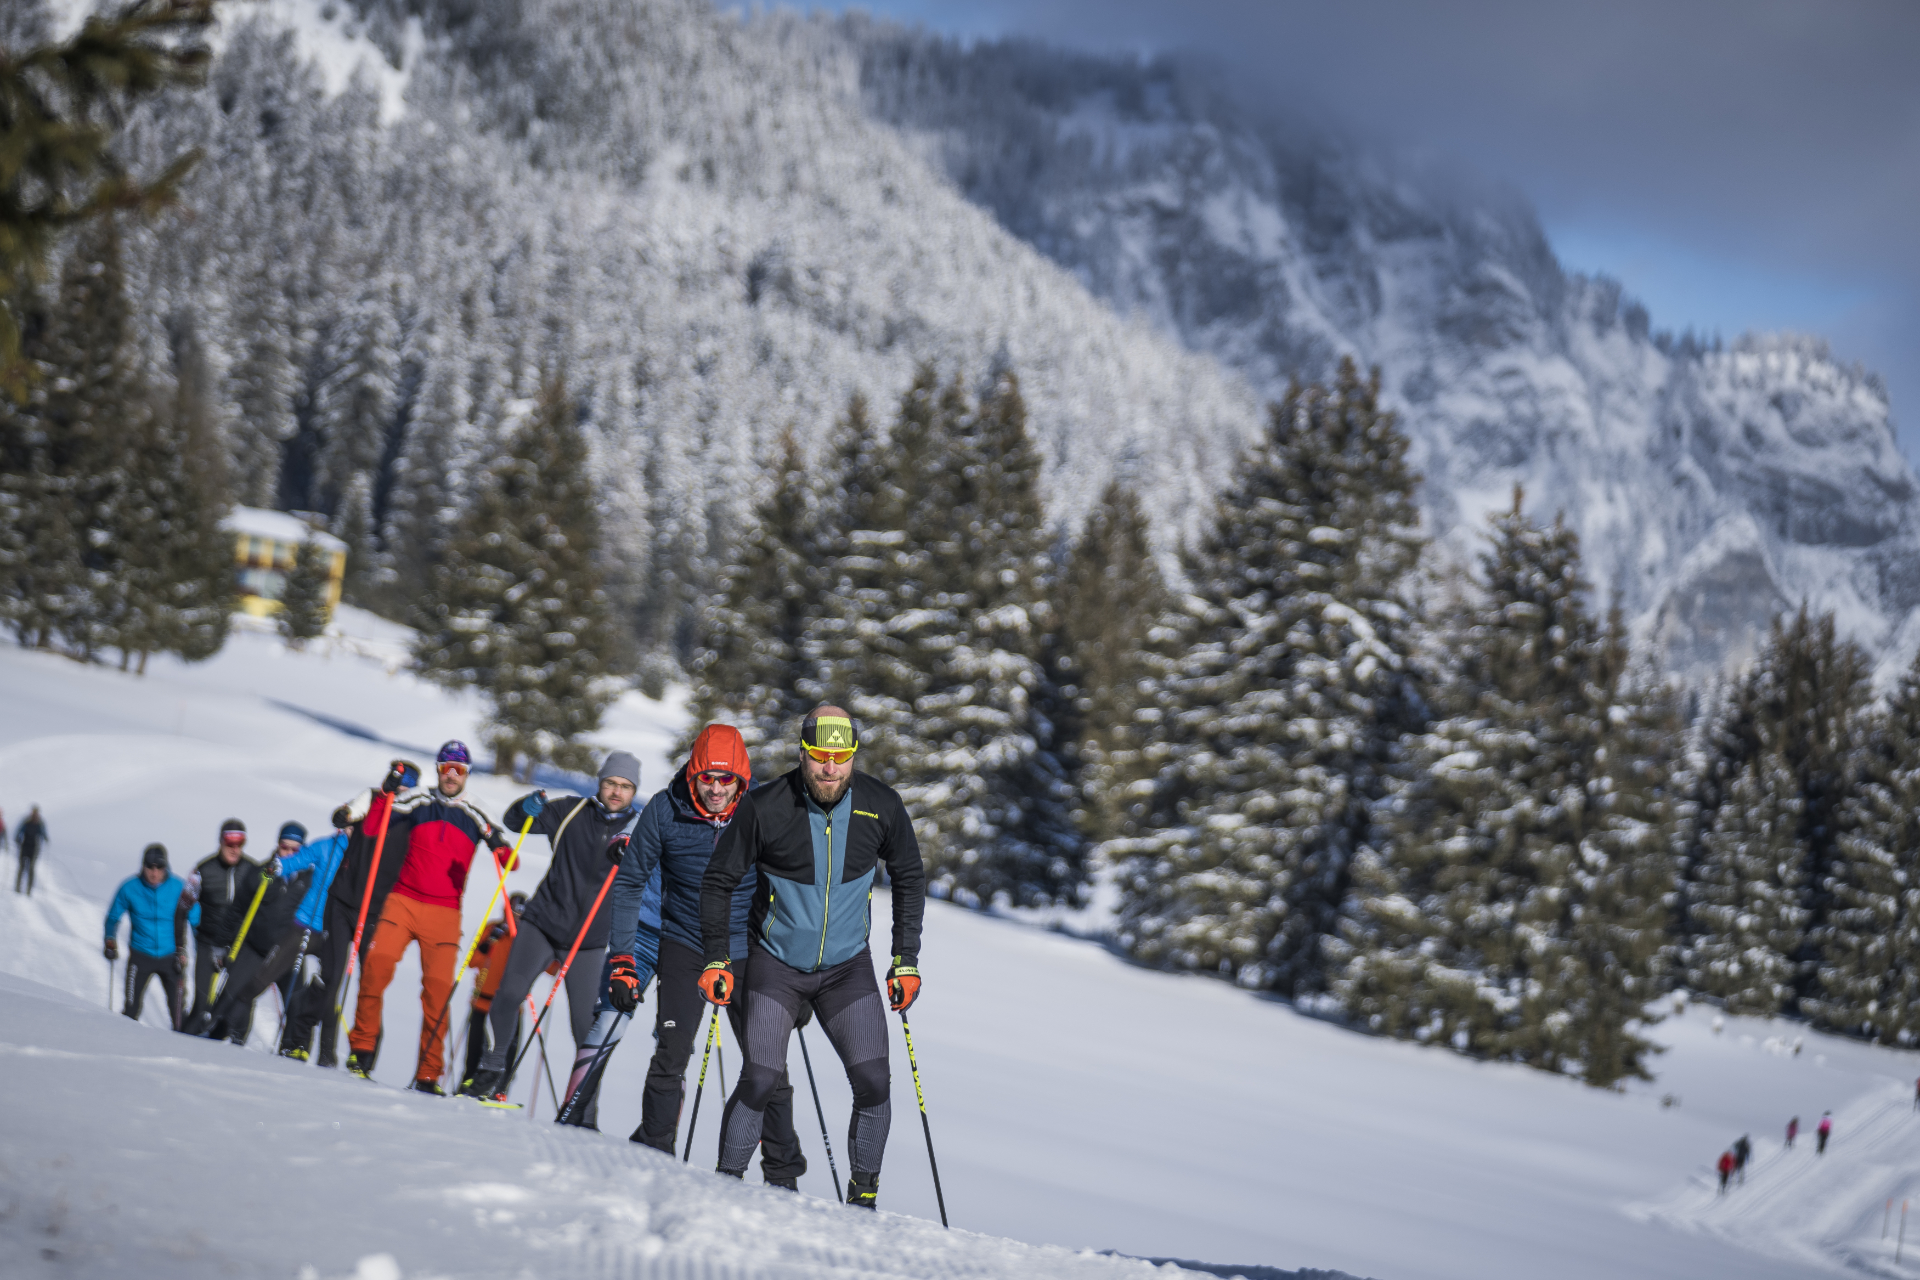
(1114,630)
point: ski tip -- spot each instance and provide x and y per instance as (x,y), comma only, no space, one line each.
(498,1104)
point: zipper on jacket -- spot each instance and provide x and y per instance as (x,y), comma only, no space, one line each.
(827,910)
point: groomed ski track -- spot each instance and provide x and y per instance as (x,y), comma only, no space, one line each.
(1829,1210)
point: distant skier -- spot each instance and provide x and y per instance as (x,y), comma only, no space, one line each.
(490,964)
(157,941)
(28,839)
(579,829)
(361,822)
(1742,1152)
(815,837)
(685,821)
(1793,1131)
(1726,1169)
(1916,1095)
(439,831)
(222,887)
(1824,1132)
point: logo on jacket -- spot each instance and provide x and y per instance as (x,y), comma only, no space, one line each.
(864,814)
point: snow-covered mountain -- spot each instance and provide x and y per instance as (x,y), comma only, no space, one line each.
(1711,486)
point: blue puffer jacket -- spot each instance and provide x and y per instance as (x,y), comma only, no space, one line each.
(674,834)
(150,909)
(324,857)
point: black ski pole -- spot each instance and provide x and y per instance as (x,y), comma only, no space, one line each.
(110,968)
(293,990)
(712,1021)
(820,1111)
(589,1063)
(925,1128)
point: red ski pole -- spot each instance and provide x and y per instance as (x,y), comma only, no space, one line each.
(561,977)
(366,901)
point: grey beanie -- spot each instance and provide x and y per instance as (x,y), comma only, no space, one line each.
(621,764)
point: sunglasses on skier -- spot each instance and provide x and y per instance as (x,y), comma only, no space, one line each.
(830,757)
(459,770)
(234,837)
(717,779)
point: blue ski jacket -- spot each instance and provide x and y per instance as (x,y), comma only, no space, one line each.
(673,834)
(324,857)
(150,909)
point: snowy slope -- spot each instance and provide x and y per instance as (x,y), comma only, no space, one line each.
(1077,1100)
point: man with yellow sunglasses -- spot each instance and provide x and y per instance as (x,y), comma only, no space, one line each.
(814,838)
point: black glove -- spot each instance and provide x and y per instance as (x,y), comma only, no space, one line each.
(112,949)
(342,818)
(617,849)
(219,957)
(623,985)
(404,774)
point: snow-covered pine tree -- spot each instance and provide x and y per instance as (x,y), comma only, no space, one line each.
(982,774)
(39,560)
(303,602)
(1518,907)
(1111,593)
(178,560)
(752,668)
(1749,899)
(516,607)
(1801,703)
(1285,697)
(1869,943)
(881,514)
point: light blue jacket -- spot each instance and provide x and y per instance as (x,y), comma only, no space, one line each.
(324,857)
(150,908)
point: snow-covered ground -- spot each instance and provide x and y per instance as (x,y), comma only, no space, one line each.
(1077,1101)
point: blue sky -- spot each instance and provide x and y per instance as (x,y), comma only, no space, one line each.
(1736,164)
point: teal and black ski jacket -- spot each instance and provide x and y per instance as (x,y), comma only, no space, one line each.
(815,873)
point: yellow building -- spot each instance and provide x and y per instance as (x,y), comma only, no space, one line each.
(265,545)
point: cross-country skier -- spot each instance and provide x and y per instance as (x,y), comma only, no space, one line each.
(157,941)
(1742,1152)
(815,837)
(686,821)
(278,900)
(490,965)
(28,839)
(303,872)
(1725,1167)
(579,828)
(222,886)
(1824,1132)
(439,830)
(360,818)
(1793,1131)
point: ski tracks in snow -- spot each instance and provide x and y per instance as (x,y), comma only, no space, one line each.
(1827,1210)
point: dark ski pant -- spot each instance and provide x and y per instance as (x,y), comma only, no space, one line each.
(532,952)
(678,1020)
(332,947)
(140,967)
(846,1000)
(206,978)
(25,874)
(479,1040)
(248,977)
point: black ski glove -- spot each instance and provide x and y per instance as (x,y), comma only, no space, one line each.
(112,949)
(617,849)
(623,985)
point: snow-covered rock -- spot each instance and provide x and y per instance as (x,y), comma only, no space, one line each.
(1711,487)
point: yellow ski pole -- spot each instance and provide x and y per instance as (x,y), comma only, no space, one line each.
(233,949)
(713,1023)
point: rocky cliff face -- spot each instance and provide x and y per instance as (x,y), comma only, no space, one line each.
(1711,487)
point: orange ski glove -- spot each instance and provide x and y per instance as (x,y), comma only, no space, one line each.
(716,982)
(903,984)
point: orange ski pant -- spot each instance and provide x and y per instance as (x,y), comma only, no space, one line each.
(437,929)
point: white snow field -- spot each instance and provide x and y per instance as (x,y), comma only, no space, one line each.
(1078,1103)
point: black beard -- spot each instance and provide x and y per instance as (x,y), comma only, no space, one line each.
(827,799)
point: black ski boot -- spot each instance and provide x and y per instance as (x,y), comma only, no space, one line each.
(428,1086)
(785,1184)
(484,1083)
(662,1144)
(360,1064)
(298,1053)
(863,1190)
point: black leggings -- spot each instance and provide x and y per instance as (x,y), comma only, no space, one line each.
(141,967)
(532,952)
(677,1024)
(846,998)
(321,1005)
(248,978)
(24,875)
